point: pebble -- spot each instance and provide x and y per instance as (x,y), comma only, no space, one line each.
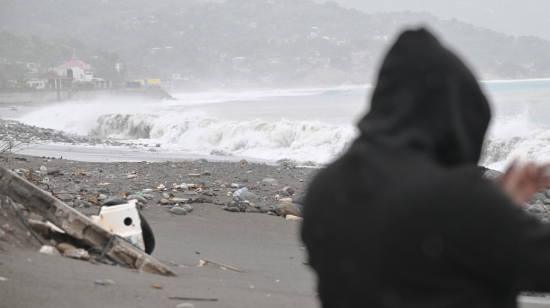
(537,197)
(206,173)
(164,201)
(178,211)
(187,208)
(289,190)
(233,209)
(270,181)
(536,209)
(101,197)
(185,305)
(289,200)
(193,175)
(138,198)
(286,208)
(131,176)
(200,160)
(3,279)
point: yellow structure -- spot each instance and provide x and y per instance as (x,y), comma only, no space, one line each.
(149,82)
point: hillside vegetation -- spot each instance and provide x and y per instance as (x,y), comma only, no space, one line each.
(253,41)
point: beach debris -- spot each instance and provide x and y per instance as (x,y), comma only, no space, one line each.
(200,160)
(240,192)
(3,278)
(178,211)
(181,186)
(161,187)
(203,262)
(79,254)
(62,247)
(148,196)
(287,208)
(156,286)
(194,175)
(270,181)
(49,250)
(84,231)
(198,299)
(131,176)
(185,305)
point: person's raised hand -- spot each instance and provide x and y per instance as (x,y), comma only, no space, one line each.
(520,182)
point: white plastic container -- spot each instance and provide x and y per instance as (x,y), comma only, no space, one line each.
(122,220)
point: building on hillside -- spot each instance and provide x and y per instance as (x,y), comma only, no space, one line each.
(36,84)
(76,69)
(49,81)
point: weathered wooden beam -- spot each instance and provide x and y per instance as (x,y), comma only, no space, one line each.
(76,224)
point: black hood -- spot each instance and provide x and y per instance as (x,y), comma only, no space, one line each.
(427,100)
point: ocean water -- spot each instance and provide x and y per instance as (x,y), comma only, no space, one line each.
(310,126)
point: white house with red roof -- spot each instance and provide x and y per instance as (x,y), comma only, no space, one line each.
(76,69)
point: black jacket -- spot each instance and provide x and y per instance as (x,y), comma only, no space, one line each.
(404,219)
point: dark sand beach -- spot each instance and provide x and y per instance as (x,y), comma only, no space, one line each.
(266,248)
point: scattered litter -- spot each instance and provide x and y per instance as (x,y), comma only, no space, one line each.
(222,266)
(3,279)
(79,254)
(156,286)
(50,250)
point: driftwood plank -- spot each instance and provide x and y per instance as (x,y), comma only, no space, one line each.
(76,224)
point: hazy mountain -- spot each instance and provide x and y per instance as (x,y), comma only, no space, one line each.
(237,40)
(528,17)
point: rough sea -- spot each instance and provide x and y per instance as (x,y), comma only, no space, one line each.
(309,126)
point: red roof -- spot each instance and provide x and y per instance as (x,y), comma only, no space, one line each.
(74,62)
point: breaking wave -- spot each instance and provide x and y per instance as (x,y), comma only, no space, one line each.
(302,141)
(515,137)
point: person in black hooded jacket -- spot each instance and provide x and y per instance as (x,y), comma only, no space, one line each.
(404,219)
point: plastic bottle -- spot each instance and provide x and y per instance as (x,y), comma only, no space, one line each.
(240,192)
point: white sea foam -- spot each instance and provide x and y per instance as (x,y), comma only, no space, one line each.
(304,125)
(284,139)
